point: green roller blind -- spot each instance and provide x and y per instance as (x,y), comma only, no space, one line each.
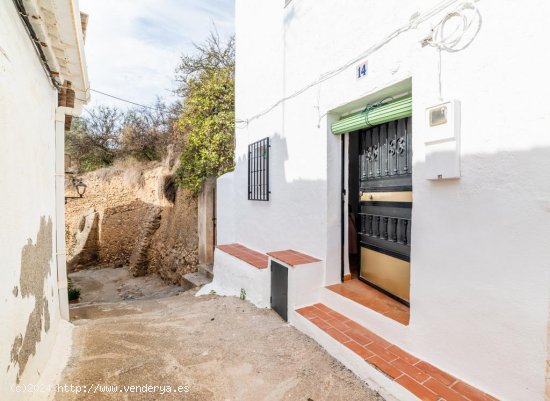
(393,110)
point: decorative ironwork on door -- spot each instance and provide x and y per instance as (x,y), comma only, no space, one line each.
(385,160)
(386,156)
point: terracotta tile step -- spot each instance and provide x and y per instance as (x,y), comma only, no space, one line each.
(293,258)
(419,377)
(363,294)
(250,256)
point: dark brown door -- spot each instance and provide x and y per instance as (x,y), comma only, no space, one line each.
(385,156)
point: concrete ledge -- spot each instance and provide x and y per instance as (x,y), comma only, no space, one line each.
(292,257)
(232,274)
(252,257)
(305,282)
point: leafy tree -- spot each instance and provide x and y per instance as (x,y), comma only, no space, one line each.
(146,133)
(93,140)
(105,134)
(208,115)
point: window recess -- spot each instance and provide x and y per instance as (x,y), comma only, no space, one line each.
(258,170)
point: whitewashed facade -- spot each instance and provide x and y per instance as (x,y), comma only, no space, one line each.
(41,55)
(479,285)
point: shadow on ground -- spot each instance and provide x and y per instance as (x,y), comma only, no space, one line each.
(110,285)
(221,348)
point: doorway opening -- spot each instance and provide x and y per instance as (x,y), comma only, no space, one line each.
(379,207)
(354,207)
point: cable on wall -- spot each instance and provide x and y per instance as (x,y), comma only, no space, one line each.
(465,17)
(414,21)
(35,41)
(372,106)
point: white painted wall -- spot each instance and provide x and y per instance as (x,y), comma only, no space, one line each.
(27,178)
(289,185)
(231,275)
(304,286)
(480,272)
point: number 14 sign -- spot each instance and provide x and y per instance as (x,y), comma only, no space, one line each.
(362,70)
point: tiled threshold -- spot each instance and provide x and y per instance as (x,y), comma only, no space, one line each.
(425,381)
(365,295)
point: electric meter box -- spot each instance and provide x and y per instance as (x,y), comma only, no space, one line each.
(442,141)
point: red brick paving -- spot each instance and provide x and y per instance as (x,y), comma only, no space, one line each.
(293,258)
(245,254)
(425,381)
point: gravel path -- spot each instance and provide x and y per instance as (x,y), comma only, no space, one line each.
(217,348)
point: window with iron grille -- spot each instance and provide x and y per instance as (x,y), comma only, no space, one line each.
(258,170)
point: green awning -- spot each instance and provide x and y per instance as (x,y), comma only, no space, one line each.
(374,115)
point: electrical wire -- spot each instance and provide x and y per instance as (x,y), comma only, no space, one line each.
(37,46)
(450,42)
(453,42)
(124,100)
(440,40)
(373,106)
(414,21)
(35,41)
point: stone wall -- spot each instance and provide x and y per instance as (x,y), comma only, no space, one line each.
(121,227)
(111,188)
(174,247)
(129,198)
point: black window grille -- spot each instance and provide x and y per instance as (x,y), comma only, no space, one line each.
(258,170)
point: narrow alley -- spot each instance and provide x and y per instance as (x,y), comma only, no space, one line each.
(216,348)
(279,200)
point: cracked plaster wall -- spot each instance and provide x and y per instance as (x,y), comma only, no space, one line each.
(29,300)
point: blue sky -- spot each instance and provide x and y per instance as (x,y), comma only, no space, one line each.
(133,46)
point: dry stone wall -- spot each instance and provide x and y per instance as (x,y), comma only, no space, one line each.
(121,228)
(139,260)
(174,246)
(137,226)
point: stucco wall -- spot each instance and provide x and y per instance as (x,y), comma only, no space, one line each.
(480,277)
(29,309)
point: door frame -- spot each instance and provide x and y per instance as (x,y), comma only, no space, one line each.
(344,204)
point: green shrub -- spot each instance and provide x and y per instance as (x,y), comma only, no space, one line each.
(74,293)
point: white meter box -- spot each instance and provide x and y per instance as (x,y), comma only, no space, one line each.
(442,140)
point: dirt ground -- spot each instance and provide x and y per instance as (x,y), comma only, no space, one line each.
(215,348)
(117,284)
